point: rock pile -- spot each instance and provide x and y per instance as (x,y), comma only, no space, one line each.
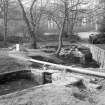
(83,54)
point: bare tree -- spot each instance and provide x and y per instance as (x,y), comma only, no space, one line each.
(65,14)
(32,19)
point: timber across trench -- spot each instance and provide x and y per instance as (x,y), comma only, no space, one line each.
(70,68)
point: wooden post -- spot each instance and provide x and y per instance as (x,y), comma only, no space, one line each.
(17,47)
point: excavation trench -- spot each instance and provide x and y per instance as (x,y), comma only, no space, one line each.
(23,79)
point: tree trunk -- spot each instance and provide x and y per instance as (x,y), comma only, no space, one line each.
(60,41)
(5,19)
(59,44)
(33,40)
(34,44)
(30,30)
(62,28)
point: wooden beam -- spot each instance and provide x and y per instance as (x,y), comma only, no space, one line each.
(70,68)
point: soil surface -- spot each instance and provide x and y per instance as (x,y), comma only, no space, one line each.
(50,94)
(44,95)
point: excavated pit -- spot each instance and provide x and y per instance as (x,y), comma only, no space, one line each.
(19,80)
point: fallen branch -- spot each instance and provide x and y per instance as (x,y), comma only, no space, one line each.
(70,68)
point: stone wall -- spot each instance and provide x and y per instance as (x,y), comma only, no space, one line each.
(98,54)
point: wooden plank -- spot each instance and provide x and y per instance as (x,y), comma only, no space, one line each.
(70,68)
